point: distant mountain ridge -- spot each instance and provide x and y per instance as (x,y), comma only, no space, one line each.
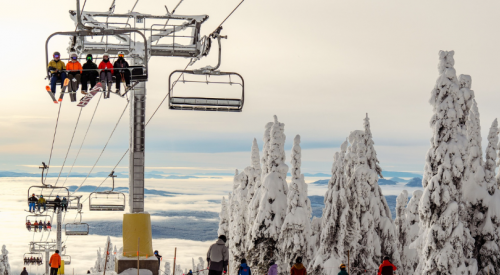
(415,182)
(148,175)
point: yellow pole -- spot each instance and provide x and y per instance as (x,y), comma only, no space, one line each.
(175,257)
(138,249)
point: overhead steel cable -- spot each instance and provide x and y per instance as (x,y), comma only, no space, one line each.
(112,132)
(169,18)
(53,140)
(69,147)
(228,16)
(84,137)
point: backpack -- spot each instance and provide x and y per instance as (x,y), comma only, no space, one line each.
(244,270)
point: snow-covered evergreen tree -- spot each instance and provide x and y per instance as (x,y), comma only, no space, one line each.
(167,270)
(253,171)
(444,242)
(4,262)
(101,258)
(273,202)
(491,157)
(238,223)
(224,219)
(402,230)
(296,231)
(331,252)
(412,217)
(315,234)
(370,216)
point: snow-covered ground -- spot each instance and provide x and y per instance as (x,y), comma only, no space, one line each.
(180,214)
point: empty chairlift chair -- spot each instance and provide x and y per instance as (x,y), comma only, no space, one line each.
(107,200)
(211,89)
(66,259)
(76,228)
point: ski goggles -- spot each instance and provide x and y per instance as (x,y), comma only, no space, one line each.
(121,55)
(89,57)
(74,57)
(56,56)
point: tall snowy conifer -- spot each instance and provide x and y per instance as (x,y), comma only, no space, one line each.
(412,217)
(167,270)
(224,219)
(4,262)
(444,242)
(402,230)
(238,224)
(253,171)
(331,252)
(370,216)
(296,231)
(273,202)
(491,157)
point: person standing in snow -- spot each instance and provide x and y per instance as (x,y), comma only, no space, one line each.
(56,68)
(298,268)
(55,263)
(342,270)
(273,268)
(386,268)
(89,74)
(24,272)
(244,269)
(158,256)
(218,257)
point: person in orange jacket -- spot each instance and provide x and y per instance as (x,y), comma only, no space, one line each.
(55,263)
(298,268)
(74,69)
(386,268)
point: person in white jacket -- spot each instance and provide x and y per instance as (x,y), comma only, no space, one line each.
(218,257)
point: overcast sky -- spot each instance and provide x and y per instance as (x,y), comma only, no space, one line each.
(318,65)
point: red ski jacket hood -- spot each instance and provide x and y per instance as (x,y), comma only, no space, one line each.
(386,268)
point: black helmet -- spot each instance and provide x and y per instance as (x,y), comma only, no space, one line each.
(223,238)
(298,260)
(89,57)
(271,262)
(57,251)
(243,261)
(386,258)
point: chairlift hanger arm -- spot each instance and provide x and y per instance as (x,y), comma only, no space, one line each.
(96,32)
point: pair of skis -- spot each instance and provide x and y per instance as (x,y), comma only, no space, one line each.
(86,99)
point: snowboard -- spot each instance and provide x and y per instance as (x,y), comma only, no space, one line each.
(63,90)
(86,99)
(51,94)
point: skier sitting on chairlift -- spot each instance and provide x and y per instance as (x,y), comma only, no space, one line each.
(74,69)
(121,71)
(45,226)
(25,260)
(57,203)
(42,202)
(35,225)
(49,226)
(56,68)
(64,204)
(40,226)
(89,75)
(106,72)
(32,203)
(28,225)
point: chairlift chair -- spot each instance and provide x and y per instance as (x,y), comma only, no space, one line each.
(49,192)
(66,259)
(34,255)
(37,217)
(208,76)
(107,200)
(76,228)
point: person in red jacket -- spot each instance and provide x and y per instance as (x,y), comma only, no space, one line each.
(106,72)
(386,268)
(298,268)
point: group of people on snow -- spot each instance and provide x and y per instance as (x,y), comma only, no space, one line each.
(78,74)
(33,261)
(41,225)
(36,203)
(218,260)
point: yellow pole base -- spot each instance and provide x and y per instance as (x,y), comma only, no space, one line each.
(135,226)
(61,270)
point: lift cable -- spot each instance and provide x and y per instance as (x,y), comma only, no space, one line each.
(84,137)
(229,16)
(116,125)
(53,140)
(69,147)
(164,26)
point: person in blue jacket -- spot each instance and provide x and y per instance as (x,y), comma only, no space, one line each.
(244,269)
